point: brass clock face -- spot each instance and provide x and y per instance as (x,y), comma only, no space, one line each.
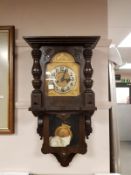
(62,79)
(62,76)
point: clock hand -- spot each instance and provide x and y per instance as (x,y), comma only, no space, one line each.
(67,79)
(63,77)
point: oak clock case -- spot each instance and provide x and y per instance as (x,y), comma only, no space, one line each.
(62,98)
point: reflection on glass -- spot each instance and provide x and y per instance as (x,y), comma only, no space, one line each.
(4,84)
(62,136)
(122,95)
(63,131)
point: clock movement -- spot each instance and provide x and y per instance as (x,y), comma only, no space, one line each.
(62,98)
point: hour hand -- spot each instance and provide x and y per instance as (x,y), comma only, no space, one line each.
(67,79)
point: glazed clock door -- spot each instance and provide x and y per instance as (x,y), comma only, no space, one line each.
(62,81)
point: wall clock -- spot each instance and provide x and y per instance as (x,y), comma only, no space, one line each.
(62,98)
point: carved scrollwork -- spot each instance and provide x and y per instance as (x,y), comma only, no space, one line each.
(88,125)
(76,54)
(64,158)
(40,127)
(47,53)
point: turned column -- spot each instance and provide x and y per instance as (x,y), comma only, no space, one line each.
(36,82)
(88,82)
(89,99)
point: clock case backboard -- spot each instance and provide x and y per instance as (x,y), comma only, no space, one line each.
(46,107)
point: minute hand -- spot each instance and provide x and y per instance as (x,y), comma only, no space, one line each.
(63,77)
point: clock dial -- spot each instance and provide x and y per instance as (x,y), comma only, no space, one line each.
(62,79)
(62,76)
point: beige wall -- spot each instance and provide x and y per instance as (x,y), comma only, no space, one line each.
(55,17)
(21,151)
